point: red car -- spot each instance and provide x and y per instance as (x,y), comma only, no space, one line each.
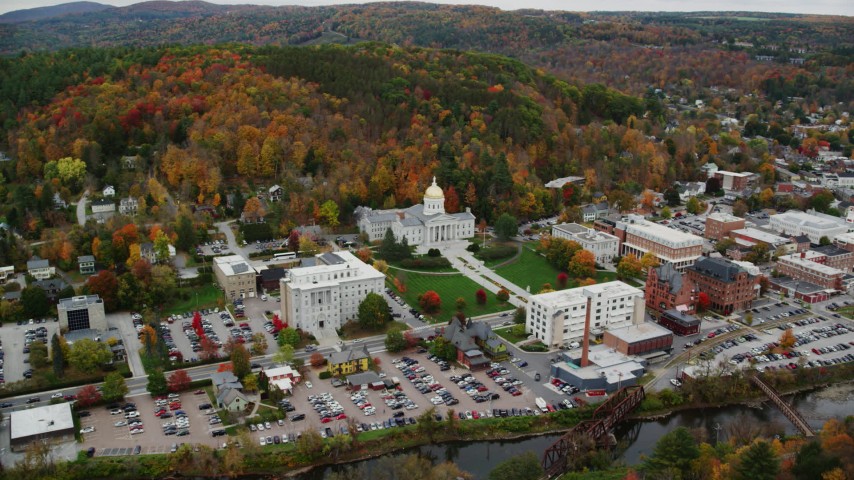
(326,420)
(342,416)
(515,393)
(475,415)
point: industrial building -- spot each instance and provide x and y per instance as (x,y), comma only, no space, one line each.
(51,423)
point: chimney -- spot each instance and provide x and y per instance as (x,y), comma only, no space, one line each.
(585,346)
(803,254)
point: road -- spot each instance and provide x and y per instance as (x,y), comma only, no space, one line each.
(81,208)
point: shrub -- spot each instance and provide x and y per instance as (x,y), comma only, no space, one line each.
(425,262)
(496,252)
(434,252)
(474,248)
(324,375)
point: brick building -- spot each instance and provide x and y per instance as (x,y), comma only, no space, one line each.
(836,257)
(667,288)
(639,236)
(680,323)
(730,287)
(718,225)
(733,181)
(810,267)
(639,339)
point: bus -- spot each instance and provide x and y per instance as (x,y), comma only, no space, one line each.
(285,255)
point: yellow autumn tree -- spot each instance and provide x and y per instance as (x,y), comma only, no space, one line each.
(133,254)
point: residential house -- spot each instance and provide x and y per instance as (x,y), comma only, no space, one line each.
(222,380)
(470,336)
(283,378)
(232,400)
(594,211)
(350,360)
(147,251)
(6,273)
(691,189)
(275,193)
(129,162)
(40,269)
(103,206)
(128,206)
(86,264)
(109,191)
(269,279)
(58,202)
(51,287)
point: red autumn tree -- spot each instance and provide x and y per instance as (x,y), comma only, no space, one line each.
(105,285)
(197,324)
(562,278)
(377,361)
(278,324)
(452,200)
(179,381)
(503,295)
(703,302)
(88,395)
(316,359)
(411,340)
(480,296)
(293,241)
(209,348)
(430,302)
(224,367)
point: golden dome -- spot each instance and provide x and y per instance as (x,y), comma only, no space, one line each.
(434,191)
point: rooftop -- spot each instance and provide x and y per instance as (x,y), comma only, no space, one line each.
(639,332)
(681,317)
(560,182)
(812,219)
(233,265)
(639,226)
(580,294)
(78,302)
(761,236)
(831,250)
(718,268)
(41,420)
(724,217)
(808,264)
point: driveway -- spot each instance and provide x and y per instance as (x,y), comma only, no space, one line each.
(121,323)
(81,208)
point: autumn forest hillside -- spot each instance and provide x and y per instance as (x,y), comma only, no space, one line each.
(494,103)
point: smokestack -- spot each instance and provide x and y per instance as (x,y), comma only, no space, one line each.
(585,346)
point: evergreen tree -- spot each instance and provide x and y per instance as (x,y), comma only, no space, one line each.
(57,355)
(157,383)
(758,462)
(673,454)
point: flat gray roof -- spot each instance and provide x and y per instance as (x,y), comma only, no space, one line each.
(41,420)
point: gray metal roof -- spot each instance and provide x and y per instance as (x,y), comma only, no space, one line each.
(719,268)
(331,259)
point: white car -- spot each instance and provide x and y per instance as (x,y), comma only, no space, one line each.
(675,382)
(260,427)
(87,430)
(56,395)
(120,423)
(139,430)
(263,298)
(308,385)
(268,426)
(263,441)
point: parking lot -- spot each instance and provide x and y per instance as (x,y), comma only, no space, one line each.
(819,340)
(14,337)
(408,403)
(109,439)
(217,320)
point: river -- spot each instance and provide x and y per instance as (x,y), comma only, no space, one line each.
(639,438)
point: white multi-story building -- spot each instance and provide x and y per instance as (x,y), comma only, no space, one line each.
(604,246)
(812,224)
(557,318)
(669,245)
(328,294)
(424,224)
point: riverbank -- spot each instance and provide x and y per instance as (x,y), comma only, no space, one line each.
(312,453)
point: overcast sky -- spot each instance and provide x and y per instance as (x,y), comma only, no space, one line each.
(825,7)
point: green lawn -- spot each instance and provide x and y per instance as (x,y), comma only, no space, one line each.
(205,295)
(507,334)
(533,270)
(529,270)
(449,288)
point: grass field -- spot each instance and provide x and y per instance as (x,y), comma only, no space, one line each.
(529,270)
(449,288)
(507,334)
(533,270)
(199,297)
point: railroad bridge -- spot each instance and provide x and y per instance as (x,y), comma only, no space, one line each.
(788,411)
(595,430)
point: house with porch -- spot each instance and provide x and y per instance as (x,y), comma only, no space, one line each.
(349,360)
(86,264)
(475,342)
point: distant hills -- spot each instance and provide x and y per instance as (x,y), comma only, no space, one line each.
(42,13)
